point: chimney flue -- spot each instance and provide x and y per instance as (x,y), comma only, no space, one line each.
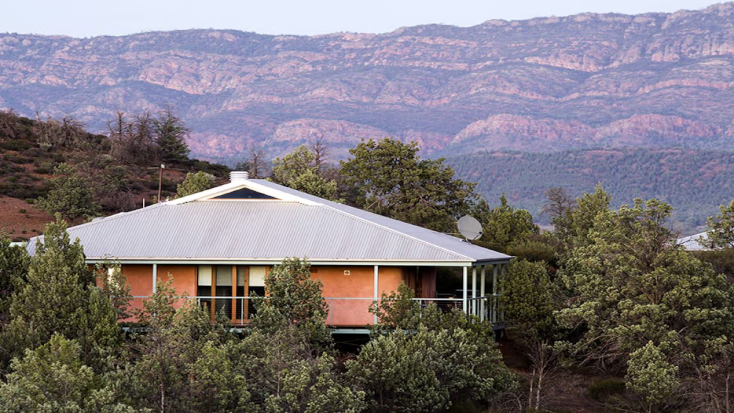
(238,176)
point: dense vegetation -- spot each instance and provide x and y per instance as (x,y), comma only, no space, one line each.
(62,168)
(695,182)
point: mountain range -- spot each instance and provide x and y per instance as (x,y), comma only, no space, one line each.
(575,83)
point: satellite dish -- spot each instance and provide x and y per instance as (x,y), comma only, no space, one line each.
(469,228)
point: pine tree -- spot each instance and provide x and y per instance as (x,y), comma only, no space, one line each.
(170,137)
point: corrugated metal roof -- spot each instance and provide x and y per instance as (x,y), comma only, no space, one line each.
(265,230)
(693,242)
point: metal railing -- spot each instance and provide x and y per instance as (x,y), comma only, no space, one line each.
(342,311)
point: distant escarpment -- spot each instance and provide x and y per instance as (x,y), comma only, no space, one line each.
(546,84)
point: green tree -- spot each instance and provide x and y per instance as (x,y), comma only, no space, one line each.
(302,171)
(284,374)
(170,137)
(294,298)
(70,195)
(389,178)
(652,377)
(181,364)
(528,301)
(632,283)
(60,297)
(504,226)
(14,262)
(53,378)
(423,357)
(721,228)
(193,183)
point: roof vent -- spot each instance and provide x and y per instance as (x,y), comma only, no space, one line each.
(238,176)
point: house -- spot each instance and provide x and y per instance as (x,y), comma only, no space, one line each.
(218,245)
(695,242)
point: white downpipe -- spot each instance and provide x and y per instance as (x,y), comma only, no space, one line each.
(377,287)
(466,287)
(155,277)
(474,290)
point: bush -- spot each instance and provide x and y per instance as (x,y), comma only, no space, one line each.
(602,390)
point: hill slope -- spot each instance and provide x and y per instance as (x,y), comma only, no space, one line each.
(546,84)
(694,182)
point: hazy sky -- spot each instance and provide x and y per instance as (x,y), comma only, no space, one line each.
(85,18)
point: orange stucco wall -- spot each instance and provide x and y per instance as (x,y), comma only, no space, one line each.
(184,278)
(140,280)
(358,284)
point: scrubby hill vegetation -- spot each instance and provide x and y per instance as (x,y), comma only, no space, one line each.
(694,182)
(117,172)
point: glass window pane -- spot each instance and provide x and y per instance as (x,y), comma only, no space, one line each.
(224,276)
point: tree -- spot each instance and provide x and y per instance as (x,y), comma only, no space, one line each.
(652,377)
(53,378)
(504,226)
(294,299)
(721,228)
(255,165)
(14,262)
(389,178)
(170,137)
(193,183)
(527,300)
(133,141)
(631,283)
(182,365)
(70,195)
(423,357)
(301,171)
(60,297)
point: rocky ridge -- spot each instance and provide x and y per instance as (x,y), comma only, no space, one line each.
(546,84)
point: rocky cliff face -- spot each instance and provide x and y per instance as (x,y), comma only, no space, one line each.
(545,84)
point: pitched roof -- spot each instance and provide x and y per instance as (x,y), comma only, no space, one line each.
(694,242)
(294,224)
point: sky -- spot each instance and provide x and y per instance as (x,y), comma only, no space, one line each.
(87,18)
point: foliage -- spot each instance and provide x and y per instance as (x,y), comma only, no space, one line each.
(302,171)
(389,178)
(721,228)
(632,284)
(528,300)
(70,195)
(60,297)
(14,262)
(677,176)
(284,375)
(396,310)
(504,226)
(170,137)
(294,299)
(114,285)
(182,364)
(451,356)
(193,183)
(652,377)
(53,378)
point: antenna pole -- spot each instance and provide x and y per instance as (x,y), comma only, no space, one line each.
(160,181)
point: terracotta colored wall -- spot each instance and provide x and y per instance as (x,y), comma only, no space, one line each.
(184,278)
(358,284)
(140,280)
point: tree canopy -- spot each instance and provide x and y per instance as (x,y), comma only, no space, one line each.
(389,178)
(70,195)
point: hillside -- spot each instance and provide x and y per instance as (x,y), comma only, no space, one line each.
(694,182)
(546,84)
(28,158)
